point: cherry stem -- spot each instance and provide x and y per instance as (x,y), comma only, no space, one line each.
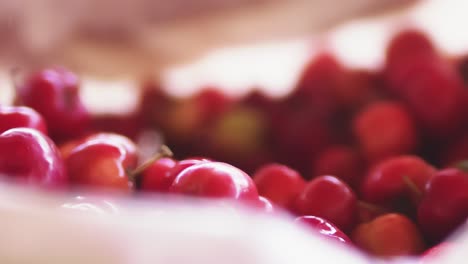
(412,186)
(371,207)
(164,151)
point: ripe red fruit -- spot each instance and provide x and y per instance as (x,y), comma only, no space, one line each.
(156,178)
(318,83)
(445,204)
(54,93)
(20,116)
(28,156)
(341,161)
(396,179)
(323,227)
(407,45)
(330,198)
(384,129)
(389,235)
(279,183)
(103,161)
(180,165)
(217,180)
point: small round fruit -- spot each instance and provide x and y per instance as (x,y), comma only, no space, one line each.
(330,198)
(279,183)
(216,180)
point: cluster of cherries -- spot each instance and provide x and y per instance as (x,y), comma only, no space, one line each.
(372,159)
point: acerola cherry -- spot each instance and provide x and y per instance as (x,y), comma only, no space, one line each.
(279,183)
(54,93)
(180,165)
(445,204)
(384,129)
(103,161)
(20,116)
(341,161)
(28,156)
(389,235)
(394,179)
(323,227)
(408,44)
(215,179)
(330,198)
(156,177)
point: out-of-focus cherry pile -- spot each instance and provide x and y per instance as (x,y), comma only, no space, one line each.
(373,159)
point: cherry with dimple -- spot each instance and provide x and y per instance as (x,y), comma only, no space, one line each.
(215,180)
(21,116)
(103,161)
(28,156)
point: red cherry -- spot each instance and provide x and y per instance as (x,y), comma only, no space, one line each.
(394,179)
(103,161)
(323,227)
(279,183)
(155,178)
(215,179)
(445,205)
(181,165)
(389,235)
(408,44)
(421,88)
(330,198)
(341,161)
(20,116)
(54,93)
(384,129)
(318,83)
(28,156)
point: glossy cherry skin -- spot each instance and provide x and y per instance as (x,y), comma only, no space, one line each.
(323,227)
(103,161)
(28,156)
(54,93)
(265,205)
(20,116)
(330,198)
(389,235)
(279,183)
(384,129)
(165,180)
(385,184)
(445,204)
(155,178)
(216,180)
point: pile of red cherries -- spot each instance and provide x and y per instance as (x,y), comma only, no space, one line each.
(370,158)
